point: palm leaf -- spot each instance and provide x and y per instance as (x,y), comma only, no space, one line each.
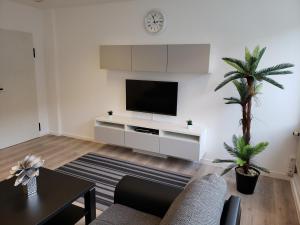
(251,64)
(231,73)
(256,51)
(233,100)
(237,64)
(231,150)
(247,55)
(241,87)
(240,162)
(226,81)
(224,161)
(234,141)
(282,72)
(247,153)
(275,68)
(240,144)
(230,167)
(259,168)
(260,147)
(273,82)
(258,57)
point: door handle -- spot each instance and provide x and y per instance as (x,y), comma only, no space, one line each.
(1,89)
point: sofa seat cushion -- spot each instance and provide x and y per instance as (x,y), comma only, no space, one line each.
(122,215)
(201,202)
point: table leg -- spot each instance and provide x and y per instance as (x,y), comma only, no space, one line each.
(90,206)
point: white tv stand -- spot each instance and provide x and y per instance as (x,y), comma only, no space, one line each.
(170,140)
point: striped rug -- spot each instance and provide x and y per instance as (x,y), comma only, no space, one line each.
(107,172)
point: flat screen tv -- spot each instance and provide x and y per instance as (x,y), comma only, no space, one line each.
(158,97)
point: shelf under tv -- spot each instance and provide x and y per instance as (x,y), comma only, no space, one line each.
(166,139)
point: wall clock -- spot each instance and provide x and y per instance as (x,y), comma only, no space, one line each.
(154,21)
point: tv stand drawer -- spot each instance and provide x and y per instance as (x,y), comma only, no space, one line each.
(109,135)
(180,148)
(142,141)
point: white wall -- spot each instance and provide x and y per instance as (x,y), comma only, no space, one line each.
(14,16)
(52,80)
(84,91)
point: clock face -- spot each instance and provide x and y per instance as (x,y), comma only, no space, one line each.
(154,21)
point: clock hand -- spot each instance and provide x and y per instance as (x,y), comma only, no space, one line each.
(154,20)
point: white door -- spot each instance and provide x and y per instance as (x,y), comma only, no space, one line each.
(18,101)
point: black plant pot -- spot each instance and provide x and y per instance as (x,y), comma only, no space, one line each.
(246,184)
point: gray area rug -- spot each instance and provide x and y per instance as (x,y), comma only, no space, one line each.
(107,172)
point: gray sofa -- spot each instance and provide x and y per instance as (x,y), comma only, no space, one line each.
(142,202)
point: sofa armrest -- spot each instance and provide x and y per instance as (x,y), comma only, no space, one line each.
(144,195)
(231,214)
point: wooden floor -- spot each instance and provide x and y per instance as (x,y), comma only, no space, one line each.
(272,203)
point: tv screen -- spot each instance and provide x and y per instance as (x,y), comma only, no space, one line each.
(158,97)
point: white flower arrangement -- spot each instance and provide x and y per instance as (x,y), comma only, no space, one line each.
(26,169)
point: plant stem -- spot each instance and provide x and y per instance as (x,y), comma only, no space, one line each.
(246,168)
(247,111)
(248,123)
(244,119)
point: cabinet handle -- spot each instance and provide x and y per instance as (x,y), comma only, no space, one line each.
(1,89)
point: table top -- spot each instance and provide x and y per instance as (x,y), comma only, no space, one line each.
(55,192)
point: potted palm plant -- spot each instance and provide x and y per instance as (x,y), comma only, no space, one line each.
(248,80)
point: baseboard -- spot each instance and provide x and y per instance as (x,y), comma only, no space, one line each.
(84,138)
(273,174)
(54,133)
(296,195)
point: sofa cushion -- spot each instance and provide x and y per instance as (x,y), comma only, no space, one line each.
(201,202)
(122,215)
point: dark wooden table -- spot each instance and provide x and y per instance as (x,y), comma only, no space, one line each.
(52,205)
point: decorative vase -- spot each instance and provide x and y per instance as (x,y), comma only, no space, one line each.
(244,183)
(31,187)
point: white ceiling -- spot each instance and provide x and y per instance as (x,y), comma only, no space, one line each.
(48,4)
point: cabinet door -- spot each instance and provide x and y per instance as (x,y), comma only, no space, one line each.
(190,58)
(180,149)
(109,135)
(142,141)
(152,58)
(115,57)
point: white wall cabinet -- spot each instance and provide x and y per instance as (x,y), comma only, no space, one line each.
(151,58)
(188,58)
(170,139)
(183,58)
(115,57)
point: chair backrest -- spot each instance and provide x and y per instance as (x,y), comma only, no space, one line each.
(231,214)
(201,202)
